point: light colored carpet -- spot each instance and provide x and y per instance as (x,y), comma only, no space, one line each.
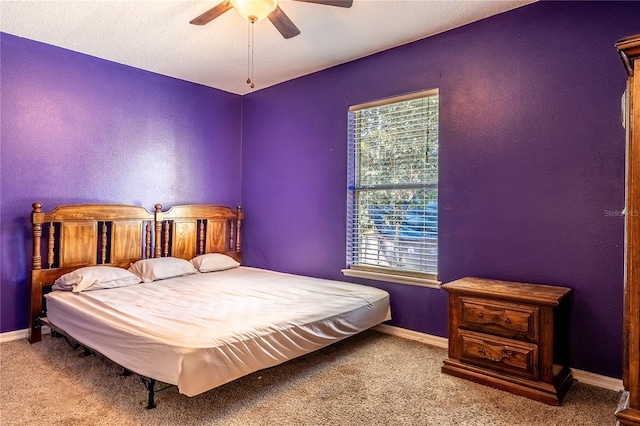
(369,379)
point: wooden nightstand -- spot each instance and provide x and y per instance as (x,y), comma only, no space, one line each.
(512,336)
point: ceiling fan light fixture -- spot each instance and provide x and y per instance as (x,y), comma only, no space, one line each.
(254,10)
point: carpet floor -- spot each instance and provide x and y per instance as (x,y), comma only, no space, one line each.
(368,379)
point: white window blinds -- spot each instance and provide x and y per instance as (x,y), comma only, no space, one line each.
(392,222)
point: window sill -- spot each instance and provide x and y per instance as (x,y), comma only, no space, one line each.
(392,278)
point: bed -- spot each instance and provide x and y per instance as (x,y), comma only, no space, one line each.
(193,316)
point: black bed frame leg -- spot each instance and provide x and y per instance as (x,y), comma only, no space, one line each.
(150,384)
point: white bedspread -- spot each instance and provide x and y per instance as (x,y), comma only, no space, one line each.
(204,330)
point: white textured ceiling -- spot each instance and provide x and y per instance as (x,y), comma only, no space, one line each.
(155,35)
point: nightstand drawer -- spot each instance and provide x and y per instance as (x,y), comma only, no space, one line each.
(504,319)
(498,354)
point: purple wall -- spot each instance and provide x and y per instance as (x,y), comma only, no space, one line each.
(77,129)
(532,161)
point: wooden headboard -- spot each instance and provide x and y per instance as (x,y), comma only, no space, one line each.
(74,236)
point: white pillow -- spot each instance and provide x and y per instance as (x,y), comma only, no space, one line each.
(161,268)
(214,262)
(95,278)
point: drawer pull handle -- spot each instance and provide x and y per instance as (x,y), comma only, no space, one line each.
(507,320)
(480,315)
(506,355)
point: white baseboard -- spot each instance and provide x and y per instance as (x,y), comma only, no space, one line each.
(442,342)
(13,335)
(429,339)
(18,334)
(597,380)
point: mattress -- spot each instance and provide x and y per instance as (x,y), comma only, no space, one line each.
(203,330)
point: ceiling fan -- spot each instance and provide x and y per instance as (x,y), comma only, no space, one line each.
(257,10)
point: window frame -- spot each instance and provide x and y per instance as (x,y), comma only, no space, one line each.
(381,273)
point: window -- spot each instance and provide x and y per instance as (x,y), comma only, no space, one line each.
(392,217)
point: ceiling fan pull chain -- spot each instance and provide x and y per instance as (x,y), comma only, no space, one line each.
(250,55)
(248,52)
(252,45)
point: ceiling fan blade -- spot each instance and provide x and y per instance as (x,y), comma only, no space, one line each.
(338,3)
(283,24)
(212,14)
